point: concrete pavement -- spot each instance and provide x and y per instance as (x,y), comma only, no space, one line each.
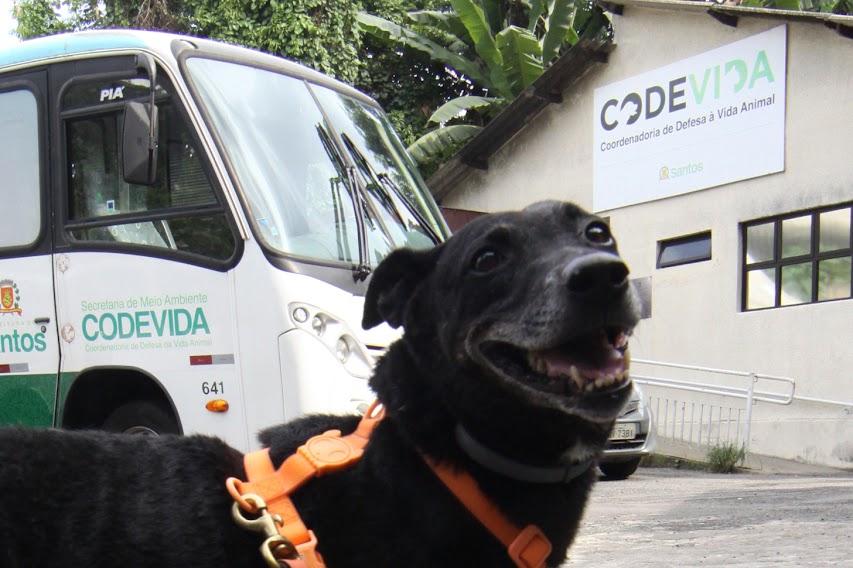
(668,517)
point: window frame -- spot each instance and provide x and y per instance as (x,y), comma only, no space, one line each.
(34,82)
(814,256)
(675,241)
(110,68)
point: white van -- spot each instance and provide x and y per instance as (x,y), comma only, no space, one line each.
(188,229)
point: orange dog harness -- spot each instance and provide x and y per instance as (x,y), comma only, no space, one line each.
(266,495)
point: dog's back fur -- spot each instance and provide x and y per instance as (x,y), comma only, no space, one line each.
(99,500)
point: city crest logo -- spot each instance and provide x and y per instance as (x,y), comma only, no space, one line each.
(667,173)
(10,298)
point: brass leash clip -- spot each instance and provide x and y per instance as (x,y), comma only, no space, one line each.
(275,547)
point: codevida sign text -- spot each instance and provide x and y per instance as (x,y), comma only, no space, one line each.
(711,119)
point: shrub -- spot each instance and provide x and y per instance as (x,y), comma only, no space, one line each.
(723,458)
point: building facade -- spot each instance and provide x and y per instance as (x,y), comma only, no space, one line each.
(738,231)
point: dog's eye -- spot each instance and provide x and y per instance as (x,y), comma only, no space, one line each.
(598,233)
(487,260)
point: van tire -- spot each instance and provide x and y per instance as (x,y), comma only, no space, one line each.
(619,470)
(141,417)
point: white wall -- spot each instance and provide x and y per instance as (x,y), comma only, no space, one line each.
(696,308)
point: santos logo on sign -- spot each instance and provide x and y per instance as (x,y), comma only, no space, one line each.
(710,109)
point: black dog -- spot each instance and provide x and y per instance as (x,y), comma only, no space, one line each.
(511,368)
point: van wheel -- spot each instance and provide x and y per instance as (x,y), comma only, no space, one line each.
(142,418)
(619,470)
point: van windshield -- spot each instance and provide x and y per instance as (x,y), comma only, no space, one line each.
(322,173)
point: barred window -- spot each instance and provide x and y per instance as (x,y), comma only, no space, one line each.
(798,258)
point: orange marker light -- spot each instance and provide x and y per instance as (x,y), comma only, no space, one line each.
(217,405)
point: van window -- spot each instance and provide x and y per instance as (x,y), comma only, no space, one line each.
(20,185)
(167,215)
(291,164)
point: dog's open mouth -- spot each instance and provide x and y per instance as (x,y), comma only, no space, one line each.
(596,362)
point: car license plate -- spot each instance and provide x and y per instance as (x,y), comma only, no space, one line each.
(626,431)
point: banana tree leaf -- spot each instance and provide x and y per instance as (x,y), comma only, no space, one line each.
(436,142)
(522,57)
(450,41)
(787,4)
(385,30)
(537,7)
(454,107)
(559,25)
(445,21)
(484,43)
(583,13)
(495,12)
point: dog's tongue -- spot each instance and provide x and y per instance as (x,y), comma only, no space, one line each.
(594,357)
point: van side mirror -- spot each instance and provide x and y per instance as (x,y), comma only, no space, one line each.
(140,133)
(139,143)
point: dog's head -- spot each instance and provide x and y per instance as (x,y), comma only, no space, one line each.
(534,307)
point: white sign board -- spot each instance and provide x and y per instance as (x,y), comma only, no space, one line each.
(711,119)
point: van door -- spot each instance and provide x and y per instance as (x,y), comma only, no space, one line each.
(144,282)
(29,353)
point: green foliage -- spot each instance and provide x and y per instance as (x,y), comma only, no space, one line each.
(521,58)
(391,32)
(433,144)
(844,7)
(37,18)
(483,39)
(318,33)
(560,30)
(495,45)
(458,106)
(405,81)
(723,458)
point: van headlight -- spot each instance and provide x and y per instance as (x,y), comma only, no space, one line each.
(335,335)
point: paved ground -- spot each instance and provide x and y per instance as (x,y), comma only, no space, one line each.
(667,517)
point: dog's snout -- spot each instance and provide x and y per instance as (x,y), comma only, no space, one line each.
(601,275)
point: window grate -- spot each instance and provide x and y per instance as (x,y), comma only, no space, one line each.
(798,258)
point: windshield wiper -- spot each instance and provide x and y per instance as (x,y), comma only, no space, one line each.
(390,185)
(361,270)
(388,189)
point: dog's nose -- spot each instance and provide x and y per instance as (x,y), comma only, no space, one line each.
(598,275)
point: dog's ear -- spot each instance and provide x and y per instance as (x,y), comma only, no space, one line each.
(393,285)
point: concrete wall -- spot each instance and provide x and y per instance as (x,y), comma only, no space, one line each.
(696,316)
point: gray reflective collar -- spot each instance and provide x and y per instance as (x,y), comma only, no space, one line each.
(505,466)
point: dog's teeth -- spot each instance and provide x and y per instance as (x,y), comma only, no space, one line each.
(621,340)
(536,363)
(576,377)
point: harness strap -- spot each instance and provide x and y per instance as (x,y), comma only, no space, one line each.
(329,452)
(527,547)
(320,455)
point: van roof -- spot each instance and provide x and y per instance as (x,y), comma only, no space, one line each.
(49,48)
(62,45)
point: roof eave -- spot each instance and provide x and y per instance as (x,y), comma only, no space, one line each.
(547,89)
(841,23)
